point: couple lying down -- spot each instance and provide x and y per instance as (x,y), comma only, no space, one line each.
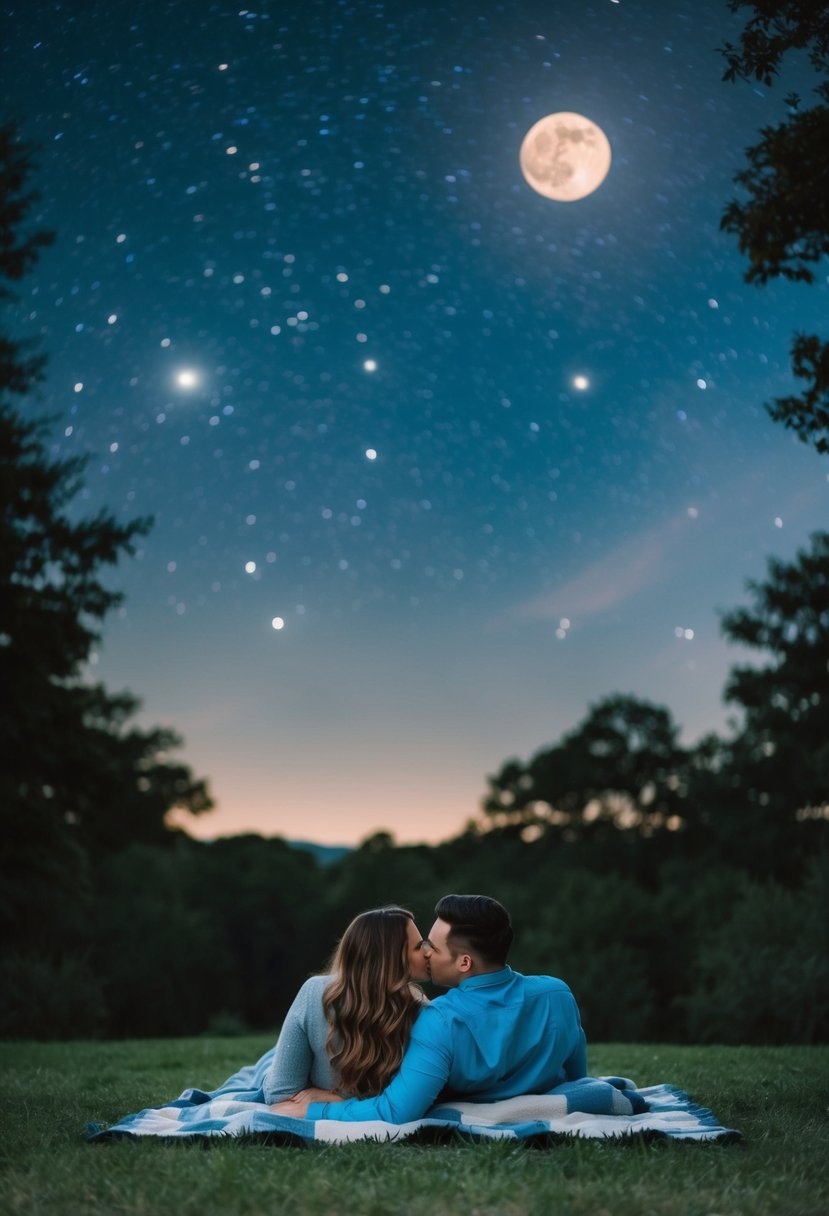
(364,1043)
(499,1054)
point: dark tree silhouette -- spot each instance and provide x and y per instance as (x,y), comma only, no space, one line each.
(783,750)
(621,768)
(782,225)
(75,777)
(20,367)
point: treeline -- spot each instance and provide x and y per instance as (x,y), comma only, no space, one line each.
(657,944)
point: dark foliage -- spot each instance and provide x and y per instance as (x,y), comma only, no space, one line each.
(782,220)
(20,367)
(621,770)
(76,778)
(780,760)
(777,27)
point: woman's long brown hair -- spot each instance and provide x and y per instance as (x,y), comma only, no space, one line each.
(370,1002)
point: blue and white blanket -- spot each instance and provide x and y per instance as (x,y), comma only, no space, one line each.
(594,1107)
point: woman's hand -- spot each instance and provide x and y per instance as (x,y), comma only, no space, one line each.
(317,1095)
(297,1106)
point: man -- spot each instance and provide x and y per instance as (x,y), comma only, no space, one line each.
(494,1034)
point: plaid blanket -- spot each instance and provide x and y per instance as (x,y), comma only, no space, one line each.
(594,1107)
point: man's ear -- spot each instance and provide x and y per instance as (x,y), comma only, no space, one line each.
(465,963)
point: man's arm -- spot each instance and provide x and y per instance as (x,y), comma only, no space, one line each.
(423,1073)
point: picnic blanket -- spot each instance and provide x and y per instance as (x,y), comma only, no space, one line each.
(593,1107)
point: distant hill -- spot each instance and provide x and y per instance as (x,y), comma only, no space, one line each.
(326,854)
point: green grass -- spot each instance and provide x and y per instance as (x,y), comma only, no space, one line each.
(776,1096)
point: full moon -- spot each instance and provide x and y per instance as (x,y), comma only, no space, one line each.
(565,156)
(187,378)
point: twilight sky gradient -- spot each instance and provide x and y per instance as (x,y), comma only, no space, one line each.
(316,209)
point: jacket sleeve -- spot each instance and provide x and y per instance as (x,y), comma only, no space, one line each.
(290,1069)
(423,1073)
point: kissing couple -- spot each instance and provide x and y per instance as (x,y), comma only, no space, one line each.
(362,1042)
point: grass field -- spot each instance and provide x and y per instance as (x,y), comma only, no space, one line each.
(778,1098)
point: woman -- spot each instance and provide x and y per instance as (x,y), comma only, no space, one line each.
(345,1033)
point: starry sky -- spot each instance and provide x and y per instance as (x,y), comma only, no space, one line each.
(435,462)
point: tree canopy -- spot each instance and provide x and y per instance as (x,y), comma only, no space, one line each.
(621,768)
(781,219)
(786,701)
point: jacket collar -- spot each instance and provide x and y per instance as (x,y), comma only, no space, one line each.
(488,979)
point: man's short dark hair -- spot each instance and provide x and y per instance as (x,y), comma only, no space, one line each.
(479,924)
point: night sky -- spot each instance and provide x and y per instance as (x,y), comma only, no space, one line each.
(484,457)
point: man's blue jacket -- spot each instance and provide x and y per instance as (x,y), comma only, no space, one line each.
(494,1036)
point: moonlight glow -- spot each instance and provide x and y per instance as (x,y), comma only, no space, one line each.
(187,378)
(565,156)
